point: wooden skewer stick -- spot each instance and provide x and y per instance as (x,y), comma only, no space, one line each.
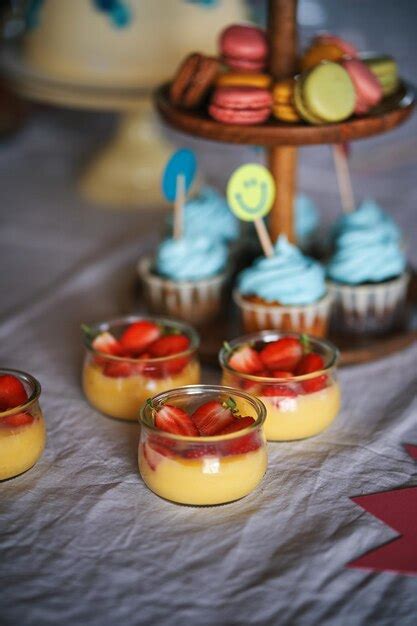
(344,181)
(179,207)
(264,238)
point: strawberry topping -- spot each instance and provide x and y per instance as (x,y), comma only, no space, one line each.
(174,420)
(19,419)
(169,345)
(139,335)
(239,423)
(283,354)
(312,362)
(282,391)
(107,344)
(12,392)
(212,417)
(246,360)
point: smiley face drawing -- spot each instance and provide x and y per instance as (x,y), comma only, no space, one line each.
(251,192)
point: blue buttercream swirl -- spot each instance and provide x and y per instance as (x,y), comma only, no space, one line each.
(208,214)
(288,277)
(367,247)
(191,259)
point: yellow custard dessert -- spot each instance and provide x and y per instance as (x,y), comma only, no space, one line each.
(202,445)
(206,481)
(123,397)
(293,375)
(21,447)
(130,359)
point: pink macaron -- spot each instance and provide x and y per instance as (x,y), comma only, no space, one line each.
(347,48)
(367,87)
(244,48)
(240,105)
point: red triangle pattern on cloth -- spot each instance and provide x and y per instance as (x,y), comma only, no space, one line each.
(398,509)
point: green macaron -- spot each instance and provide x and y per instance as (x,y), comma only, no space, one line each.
(385,69)
(325,94)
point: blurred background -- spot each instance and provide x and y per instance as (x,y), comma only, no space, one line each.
(81,151)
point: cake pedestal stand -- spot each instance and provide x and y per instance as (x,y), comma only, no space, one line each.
(281,141)
(125,173)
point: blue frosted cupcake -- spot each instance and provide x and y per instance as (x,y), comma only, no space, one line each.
(286,292)
(186,278)
(367,273)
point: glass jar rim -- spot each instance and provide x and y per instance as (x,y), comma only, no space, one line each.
(196,390)
(130,319)
(261,335)
(29,380)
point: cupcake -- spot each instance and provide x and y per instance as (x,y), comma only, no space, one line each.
(286,292)
(208,214)
(367,273)
(186,278)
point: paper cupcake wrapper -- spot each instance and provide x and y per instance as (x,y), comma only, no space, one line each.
(369,308)
(309,318)
(193,301)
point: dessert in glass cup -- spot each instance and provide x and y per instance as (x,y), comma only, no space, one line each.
(130,358)
(202,444)
(294,375)
(22,426)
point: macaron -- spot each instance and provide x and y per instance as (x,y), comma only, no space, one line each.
(385,69)
(367,87)
(244,79)
(283,106)
(327,48)
(244,48)
(193,79)
(325,94)
(240,105)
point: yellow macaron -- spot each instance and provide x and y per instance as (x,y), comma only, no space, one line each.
(283,96)
(244,79)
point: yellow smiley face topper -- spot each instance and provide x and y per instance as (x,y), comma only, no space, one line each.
(251,192)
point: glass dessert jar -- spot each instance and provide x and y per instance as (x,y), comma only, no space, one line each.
(117,381)
(203,470)
(22,427)
(298,405)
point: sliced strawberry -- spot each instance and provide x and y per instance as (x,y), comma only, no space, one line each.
(12,392)
(169,345)
(242,445)
(19,419)
(246,360)
(282,391)
(139,335)
(172,419)
(107,344)
(199,451)
(283,354)
(154,453)
(248,385)
(280,374)
(312,362)
(212,417)
(239,423)
(120,369)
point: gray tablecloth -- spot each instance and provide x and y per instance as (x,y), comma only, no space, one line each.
(82,541)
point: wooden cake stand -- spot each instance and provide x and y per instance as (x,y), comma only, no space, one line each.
(281,141)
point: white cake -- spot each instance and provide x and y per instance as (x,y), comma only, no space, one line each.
(76,41)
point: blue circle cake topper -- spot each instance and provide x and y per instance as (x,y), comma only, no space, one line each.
(182,163)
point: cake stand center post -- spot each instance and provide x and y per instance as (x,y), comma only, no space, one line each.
(282,33)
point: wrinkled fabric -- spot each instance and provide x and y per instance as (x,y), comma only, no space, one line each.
(82,540)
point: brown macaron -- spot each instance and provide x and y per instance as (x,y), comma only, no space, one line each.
(193,80)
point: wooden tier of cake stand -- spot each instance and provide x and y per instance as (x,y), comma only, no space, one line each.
(281,141)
